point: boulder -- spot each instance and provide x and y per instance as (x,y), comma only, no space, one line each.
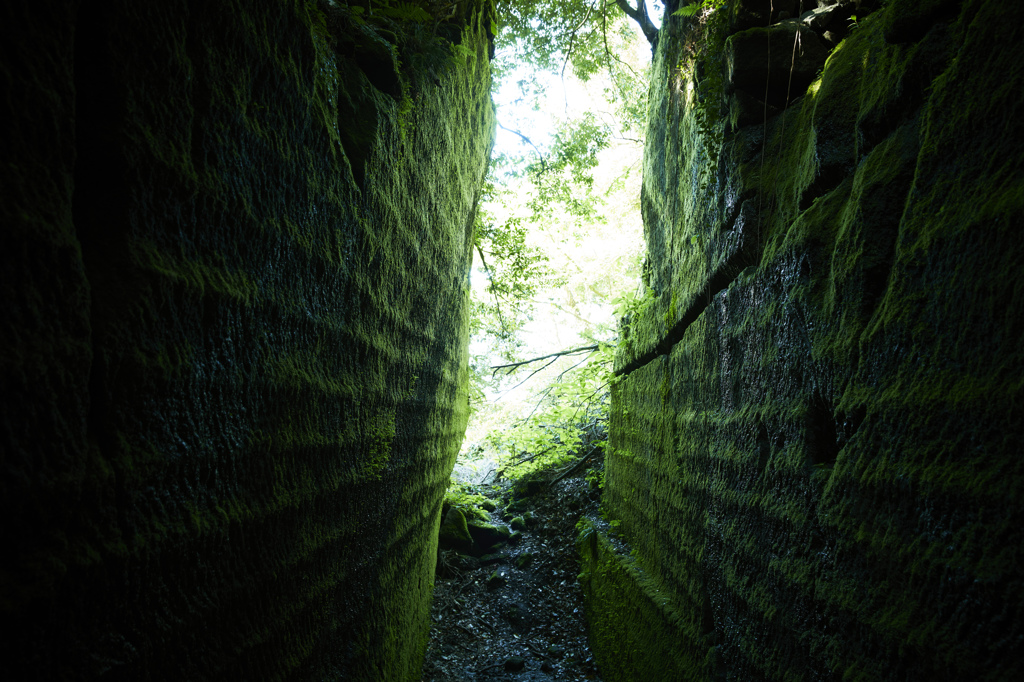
(744,14)
(492,559)
(785,57)
(486,535)
(496,580)
(454,532)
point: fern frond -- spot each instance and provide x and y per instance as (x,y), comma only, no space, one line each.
(406,11)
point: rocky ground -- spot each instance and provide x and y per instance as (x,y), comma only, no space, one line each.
(509,607)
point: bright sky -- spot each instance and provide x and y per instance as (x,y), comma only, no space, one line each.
(566,98)
(611,246)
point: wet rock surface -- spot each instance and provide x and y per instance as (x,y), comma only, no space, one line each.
(515,613)
(774,452)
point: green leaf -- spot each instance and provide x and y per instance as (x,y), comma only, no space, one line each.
(688,11)
(406,11)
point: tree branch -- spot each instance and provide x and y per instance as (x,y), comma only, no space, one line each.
(573,467)
(541,369)
(608,52)
(490,275)
(639,15)
(571,351)
(528,141)
(559,377)
(572,37)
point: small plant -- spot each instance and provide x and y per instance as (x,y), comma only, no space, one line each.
(585,529)
(689,10)
(465,498)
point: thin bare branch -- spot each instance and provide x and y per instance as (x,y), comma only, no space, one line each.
(528,141)
(608,52)
(490,275)
(571,351)
(530,376)
(587,357)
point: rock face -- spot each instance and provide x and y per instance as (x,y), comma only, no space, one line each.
(763,62)
(815,441)
(236,244)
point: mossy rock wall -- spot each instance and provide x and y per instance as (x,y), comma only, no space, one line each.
(815,439)
(236,245)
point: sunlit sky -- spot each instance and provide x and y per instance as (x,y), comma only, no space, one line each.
(566,98)
(598,246)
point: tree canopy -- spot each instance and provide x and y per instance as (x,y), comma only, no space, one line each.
(558,239)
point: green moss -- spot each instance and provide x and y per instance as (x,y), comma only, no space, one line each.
(197,275)
(832,432)
(380,434)
(470,502)
(635,627)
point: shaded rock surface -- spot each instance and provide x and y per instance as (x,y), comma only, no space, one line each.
(774,62)
(233,347)
(454,533)
(814,470)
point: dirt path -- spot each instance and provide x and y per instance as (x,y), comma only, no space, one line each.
(522,617)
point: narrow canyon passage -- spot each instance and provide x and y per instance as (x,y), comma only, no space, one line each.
(514,611)
(237,247)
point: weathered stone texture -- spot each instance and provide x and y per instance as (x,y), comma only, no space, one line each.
(234,337)
(815,442)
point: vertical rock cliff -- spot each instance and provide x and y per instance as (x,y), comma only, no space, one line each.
(815,468)
(236,243)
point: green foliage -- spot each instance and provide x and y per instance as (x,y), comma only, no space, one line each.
(629,307)
(698,7)
(404,11)
(585,529)
(535,193)
(515,270)
(628,93)
(631,304)
(568,419)
(688,10)
(551,33)
(563,179)
(543,205)
(591,37)
(467,499)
